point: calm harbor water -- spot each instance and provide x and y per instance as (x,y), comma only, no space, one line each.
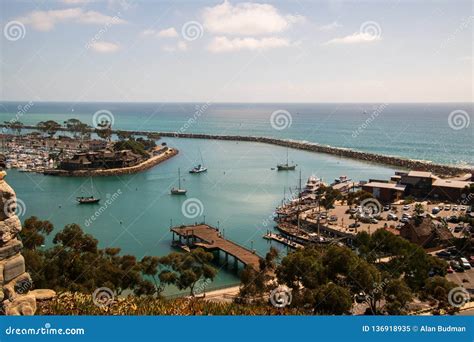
(239,190)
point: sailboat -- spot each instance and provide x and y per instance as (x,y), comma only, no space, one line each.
(178,191)
(199,168)
(286,166)
(88,199)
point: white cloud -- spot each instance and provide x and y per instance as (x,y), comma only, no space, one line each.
(46,20)
(76,2)
(247,19)
(168,33)
(180,46)
(224,44)
(356,38)
(329,27)
(104,47)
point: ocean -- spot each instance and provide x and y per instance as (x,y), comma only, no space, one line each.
(240,190)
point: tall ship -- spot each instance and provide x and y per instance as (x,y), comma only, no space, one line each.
(287,166)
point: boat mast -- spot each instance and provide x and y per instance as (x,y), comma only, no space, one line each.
(179,179)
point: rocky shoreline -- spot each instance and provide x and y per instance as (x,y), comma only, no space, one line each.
(405,163)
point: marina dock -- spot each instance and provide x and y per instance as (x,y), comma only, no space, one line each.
(283,240)
(210,239)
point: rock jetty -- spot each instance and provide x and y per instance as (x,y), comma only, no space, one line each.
(15,283)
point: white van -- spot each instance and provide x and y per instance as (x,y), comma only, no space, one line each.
(465,263)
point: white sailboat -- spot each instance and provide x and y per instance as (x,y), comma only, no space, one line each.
(200,167)
(178,190)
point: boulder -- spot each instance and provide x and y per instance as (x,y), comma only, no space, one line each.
(14,267)
(20,285)
(43,294)
(11,248)
(21,305)
(7,197)
(9,228)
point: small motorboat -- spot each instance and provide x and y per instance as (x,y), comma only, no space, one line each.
(87,200)
(198,169)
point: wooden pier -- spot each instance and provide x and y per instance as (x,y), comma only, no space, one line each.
(209,238)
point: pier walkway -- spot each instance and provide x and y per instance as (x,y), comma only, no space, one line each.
(211,239)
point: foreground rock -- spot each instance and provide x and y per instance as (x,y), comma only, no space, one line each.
(15,283)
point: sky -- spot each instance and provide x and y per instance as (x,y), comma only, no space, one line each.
(233,51)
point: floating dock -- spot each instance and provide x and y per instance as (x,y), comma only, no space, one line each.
(283,240)
(209,238)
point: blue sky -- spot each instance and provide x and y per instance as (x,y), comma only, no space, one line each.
(277,51)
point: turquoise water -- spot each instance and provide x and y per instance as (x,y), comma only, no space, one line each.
(417,131)
(239,190)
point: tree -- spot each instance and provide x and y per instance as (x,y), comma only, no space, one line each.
(104,129)
(50,127)
(438,288)
(186,270)
(75,263)
(255,282)
(332,299)
(15,125)
(397,296)
(33,233)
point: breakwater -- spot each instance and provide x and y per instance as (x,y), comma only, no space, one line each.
(405,163)
(145,165)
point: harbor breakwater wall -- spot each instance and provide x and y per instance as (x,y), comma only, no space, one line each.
(409,164)
(405,163)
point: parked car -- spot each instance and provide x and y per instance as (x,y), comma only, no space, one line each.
(392,217)
(455,208)
(458,228)
(471,260)
(462,208)
(386,207)
(332,218)
(435,210)
(406,207)
(354,225)
(449,269)
(447,207)
(464,263)
(443,254)
(374,220)
(456,266)
(404,220)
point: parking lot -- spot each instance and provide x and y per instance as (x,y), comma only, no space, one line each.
(346,224)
